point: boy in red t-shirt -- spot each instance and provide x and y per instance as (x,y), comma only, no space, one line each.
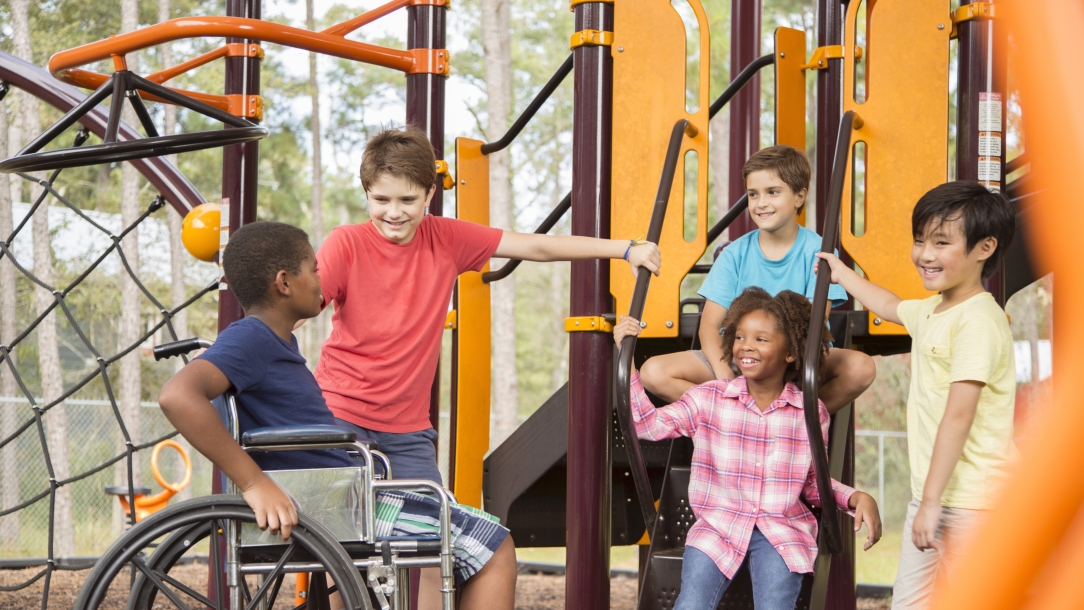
(391,280)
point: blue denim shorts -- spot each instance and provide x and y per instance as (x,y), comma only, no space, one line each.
(412,454)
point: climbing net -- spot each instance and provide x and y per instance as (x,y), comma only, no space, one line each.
(41,499)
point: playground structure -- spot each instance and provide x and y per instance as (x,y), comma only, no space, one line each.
(560,480)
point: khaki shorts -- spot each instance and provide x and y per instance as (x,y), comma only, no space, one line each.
(919,570)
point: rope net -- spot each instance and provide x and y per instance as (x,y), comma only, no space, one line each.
(54,501)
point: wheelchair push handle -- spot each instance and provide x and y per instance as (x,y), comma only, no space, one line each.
(177,348)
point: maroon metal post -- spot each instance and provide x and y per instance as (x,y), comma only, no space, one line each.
(425,110)
(980,108)
(590,362)
(745,107)
(829,98)
(240,170)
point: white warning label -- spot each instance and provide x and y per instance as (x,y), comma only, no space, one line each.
(989,112)
(989,144)
(993,187)
(989,169)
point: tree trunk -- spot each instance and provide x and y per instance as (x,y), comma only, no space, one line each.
(52,380)
(177,255)
(496,32)
(130,327)
(9,458)
(720,167)
(320,327)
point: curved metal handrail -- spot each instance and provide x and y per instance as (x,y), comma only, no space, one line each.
(532,108)
(636,309)
(739,81)
(830,525)
(547,224)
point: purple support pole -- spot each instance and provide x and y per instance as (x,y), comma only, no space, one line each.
(980,141)
(425,110)
(240,169)
(829,98)
(590,362)
(745,107)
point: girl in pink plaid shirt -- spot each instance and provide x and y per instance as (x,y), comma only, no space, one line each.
(751,464)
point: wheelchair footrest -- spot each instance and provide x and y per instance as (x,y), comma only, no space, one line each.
(297,435)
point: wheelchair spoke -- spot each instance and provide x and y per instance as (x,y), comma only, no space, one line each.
(161,586)
(275,590)
(273,577)
(185,588)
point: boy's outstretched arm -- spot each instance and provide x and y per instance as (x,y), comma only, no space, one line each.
(876,299)
(546,248)
(963,402)
(186,403)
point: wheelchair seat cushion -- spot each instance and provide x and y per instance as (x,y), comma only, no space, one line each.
(312,434)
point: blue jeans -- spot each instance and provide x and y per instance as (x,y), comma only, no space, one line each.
(412,454)
(775,587)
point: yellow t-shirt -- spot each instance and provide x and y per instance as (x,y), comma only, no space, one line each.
(968,342)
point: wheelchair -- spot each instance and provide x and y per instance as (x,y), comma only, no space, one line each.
(336,535)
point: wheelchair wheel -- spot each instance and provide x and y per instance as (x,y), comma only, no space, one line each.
(179,528)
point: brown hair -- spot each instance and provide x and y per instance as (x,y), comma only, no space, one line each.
(787,162)
(404,153)
(791,312)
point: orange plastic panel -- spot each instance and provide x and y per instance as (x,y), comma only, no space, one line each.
(473,328)
(648,98)
(905,128)
(790,91)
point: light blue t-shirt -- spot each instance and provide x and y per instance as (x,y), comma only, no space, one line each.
(742,264)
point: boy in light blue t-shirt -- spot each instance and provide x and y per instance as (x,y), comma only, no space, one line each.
(778,256)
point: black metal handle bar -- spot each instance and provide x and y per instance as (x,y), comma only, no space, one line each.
(547,224)
(176,348)
(528,114)
(739,81)
(636,310)
(830,525)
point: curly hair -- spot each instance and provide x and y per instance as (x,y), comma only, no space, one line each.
(791,312)
(256,253)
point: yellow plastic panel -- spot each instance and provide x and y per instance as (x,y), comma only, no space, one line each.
(648,98)
(472,325)
(790,91)
(905,128)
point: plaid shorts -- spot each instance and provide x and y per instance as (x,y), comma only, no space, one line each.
(476,534)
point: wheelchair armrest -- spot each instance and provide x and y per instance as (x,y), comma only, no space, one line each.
(296,435)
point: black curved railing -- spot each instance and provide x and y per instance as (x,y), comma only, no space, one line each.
(532,108)
(743,77)
(547,224)
(830,526)
(623,392)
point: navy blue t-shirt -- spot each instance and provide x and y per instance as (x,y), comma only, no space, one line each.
(273,388)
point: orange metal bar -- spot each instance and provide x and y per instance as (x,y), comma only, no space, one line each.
(344,28)
(231,27)
(234,49)
(1016,546)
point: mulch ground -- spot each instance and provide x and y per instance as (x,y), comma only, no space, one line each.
(533,591)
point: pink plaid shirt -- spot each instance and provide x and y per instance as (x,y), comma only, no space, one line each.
(749,469)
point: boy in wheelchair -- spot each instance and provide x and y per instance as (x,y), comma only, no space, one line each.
(272,270)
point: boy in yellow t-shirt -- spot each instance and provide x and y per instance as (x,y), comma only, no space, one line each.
(963,376)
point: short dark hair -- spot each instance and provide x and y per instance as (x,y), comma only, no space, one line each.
(983,213)
(792,313)
(787,162)
(256,253)
(404,153)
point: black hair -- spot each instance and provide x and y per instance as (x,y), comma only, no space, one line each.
(791,312)
(983,213)
(256,253)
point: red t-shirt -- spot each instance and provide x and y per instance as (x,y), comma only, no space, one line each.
(391,300)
